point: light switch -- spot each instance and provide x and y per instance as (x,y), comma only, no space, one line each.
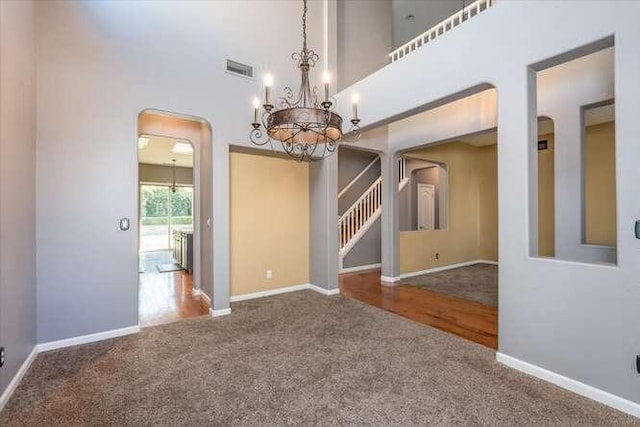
(124,224)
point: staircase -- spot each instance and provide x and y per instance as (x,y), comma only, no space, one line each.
(364,212)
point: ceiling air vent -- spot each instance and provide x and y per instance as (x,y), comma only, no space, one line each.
(239,69)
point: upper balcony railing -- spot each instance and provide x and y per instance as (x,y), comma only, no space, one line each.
(447,25)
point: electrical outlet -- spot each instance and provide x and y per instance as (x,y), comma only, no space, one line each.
(1,357)
(269,274)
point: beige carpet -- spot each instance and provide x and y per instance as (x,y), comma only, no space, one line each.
(478,282)
(298,358)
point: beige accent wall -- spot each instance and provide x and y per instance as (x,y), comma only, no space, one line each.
(600,185)
(472,227)
(600,189)
(488,203)
(546,200)
(269,222)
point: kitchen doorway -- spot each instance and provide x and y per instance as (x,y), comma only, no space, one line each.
(174,194)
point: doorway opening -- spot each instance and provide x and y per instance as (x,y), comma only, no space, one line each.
(444,222)
(174,183)
(359,209)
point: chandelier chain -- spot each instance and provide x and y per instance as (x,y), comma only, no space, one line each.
(304,27)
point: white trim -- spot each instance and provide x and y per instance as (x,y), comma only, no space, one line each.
(389,279)
(278,291)
(6,394)
(360,233)
(269,292)
(443,268)
(366,168)
(360,268)
(85,339)
(617,402)
(196,292)
(323,291)
(219,312)
(487,261)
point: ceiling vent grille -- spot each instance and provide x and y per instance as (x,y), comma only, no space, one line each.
(239,69)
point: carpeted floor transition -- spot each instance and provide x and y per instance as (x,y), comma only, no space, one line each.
(478,282)
(297,358)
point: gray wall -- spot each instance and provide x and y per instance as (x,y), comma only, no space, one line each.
(17,186)
(323,230)
(158,174)
(551,313)
(362,49)
(368,250)
(426,15)
(350,164)
(206,210)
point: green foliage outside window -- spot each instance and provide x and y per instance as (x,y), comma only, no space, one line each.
(155,205)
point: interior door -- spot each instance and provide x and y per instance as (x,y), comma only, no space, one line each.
(426,207)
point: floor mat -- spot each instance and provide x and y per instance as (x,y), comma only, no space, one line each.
(149,260)
(166,268)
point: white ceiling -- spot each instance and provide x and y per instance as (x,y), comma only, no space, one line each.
(159,152)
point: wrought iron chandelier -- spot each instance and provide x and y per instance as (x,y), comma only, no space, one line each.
(308,129)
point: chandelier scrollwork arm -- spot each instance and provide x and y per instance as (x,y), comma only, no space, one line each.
(304,122)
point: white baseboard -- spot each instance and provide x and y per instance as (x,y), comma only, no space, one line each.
(444,267)
(360,268)
(220,312)
(196,292)
(619,403)
(323,291)
(85,339)
(269,292)
(6,394)
(487,261)
(278,291)
(389,279)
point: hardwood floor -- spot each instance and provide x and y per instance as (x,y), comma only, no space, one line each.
(467,319)
(167,297)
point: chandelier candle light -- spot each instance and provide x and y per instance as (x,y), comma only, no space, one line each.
(307,129)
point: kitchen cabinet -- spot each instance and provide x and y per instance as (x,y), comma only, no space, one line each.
(183,249)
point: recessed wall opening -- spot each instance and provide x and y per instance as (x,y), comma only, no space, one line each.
(174,183)
(574,203)
(423,206)
(269,230)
